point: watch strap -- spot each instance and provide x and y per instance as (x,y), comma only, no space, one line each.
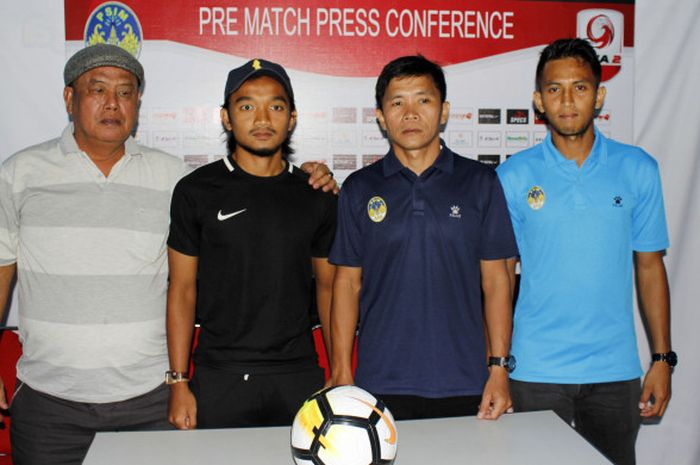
(669,357)
(506,362)
(174,377)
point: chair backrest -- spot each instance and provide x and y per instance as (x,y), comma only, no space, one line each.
(321,351)
(323,361)
(10,351)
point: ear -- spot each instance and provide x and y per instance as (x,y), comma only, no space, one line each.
(444,116)
(537,99)
(292,121)
(600,97)
(68,99)
(225,119)
(380,117)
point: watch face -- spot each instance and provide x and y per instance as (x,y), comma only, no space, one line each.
(511,364)
(672,359)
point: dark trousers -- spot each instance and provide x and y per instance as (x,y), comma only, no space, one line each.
(226,399)
(404,407)
(605,414)
(47,430)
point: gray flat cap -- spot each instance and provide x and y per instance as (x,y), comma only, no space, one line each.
(98,55)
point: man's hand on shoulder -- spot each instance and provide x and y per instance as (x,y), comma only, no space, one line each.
(320,176)
(496,398)
(657,383)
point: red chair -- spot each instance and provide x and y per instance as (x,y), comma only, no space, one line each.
(321,351)
(10,351)
(323,361)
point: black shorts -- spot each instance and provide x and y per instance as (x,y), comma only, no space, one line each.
(405,407)
(226,399)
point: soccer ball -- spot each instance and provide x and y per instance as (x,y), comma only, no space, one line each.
(343,425)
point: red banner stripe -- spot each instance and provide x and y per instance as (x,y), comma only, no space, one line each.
(354,38)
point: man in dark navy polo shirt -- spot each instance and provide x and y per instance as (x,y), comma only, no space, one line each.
(421,234)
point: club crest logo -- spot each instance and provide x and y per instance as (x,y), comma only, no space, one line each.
(376,209)
(535,197)
(114,23)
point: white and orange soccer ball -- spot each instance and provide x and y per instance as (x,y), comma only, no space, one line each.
(344,425)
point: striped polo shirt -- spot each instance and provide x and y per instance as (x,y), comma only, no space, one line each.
(92,267)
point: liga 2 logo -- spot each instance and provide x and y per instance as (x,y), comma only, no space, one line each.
(605,30)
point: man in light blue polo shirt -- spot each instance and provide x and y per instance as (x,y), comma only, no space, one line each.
(420,234)
(585,209)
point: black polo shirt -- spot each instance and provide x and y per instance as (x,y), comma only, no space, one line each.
(254,238)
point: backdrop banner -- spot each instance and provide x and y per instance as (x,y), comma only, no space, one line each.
(489,49)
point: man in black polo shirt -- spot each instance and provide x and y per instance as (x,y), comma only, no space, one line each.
(247,233)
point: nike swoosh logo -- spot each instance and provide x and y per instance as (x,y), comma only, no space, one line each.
(223,217)
(392,429)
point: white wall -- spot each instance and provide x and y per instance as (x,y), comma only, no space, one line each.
(667,124)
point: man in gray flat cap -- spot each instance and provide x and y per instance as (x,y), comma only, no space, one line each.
(83,223)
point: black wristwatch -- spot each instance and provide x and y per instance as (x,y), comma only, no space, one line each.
(506,362)
(669,357)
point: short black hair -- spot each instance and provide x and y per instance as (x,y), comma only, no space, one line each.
(287,150)
(569,48)
(409,66)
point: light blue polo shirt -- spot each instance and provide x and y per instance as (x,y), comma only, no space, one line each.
(576,230)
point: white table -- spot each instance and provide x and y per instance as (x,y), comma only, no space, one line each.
(534,438)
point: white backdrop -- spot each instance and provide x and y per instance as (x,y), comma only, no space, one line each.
(666,123)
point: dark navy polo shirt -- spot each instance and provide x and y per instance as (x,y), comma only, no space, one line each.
(419,241)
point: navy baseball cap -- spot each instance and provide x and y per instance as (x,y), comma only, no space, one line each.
(255,68)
